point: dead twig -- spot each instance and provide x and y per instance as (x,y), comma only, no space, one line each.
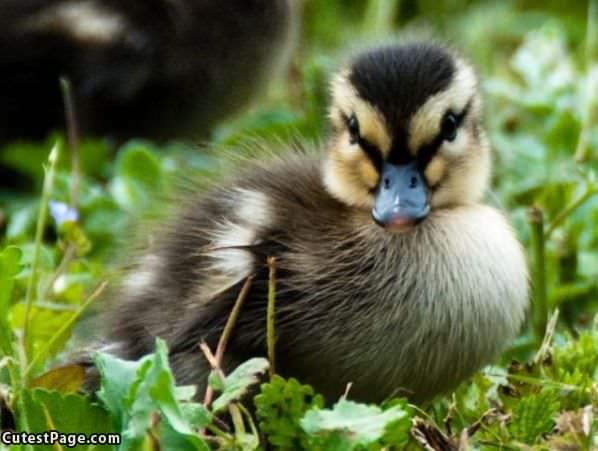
(347,390)
(215,360)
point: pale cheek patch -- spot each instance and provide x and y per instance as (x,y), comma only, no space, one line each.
(466,179)
(83,20)
(460,145)
(344,181)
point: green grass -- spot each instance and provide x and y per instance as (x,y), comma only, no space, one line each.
(539,63)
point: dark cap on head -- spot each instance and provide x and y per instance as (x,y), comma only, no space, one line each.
(399,79)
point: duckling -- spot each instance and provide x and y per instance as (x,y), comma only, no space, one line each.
(159,69)
(392,273)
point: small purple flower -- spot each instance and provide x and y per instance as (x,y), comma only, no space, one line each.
(62,213)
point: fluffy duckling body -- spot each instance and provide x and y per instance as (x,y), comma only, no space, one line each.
(391,273)
(161,69)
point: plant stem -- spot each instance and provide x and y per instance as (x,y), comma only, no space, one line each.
(380,16)
(48,345)
(6,347)
(39,232)
(583,144)
(590,191)
(271,315)
(540,307)
(233,409)
(237,418)
(249,419)
(18,406)
(73,137)
(592,32)
(51,426)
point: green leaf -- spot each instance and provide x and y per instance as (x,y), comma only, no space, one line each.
(359,424)
(21,221)
(267,123)
(215,381)
(135,391)
(117,376)
(10,259)
(67,413)
(580,354)
(237,383)
(43,326)
(137,178)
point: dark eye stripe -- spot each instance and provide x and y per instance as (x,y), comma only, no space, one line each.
(461,116)
(371,151)
(427,151)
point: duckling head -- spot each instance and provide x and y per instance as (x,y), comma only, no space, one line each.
(406,136)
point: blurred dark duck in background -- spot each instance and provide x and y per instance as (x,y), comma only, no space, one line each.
(160,69)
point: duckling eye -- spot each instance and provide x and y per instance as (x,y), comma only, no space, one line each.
(449,127)
(353,127)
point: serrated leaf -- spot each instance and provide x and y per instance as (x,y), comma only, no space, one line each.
(361,424)
(580,354)
(534,415)
(280,405)
(237,383)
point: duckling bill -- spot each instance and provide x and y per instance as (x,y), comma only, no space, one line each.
(392,272)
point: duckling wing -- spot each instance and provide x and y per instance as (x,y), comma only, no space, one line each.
(184,289)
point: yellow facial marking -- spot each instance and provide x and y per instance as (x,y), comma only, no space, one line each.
(369,174)
(435,170)
(425,124)
(349,178)
(346,101)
